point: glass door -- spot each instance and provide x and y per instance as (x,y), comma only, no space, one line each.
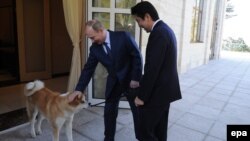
(115,15)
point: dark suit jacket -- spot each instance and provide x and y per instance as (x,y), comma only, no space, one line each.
(126,63)
(160,83)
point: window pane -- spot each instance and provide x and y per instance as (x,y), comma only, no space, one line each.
(104,18)
(197,3)
(124,3)
(99,81)
(125,22)
(101,3)
(196,20)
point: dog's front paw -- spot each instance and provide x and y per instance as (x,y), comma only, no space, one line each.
(85,105)
(39,132)
(33,134)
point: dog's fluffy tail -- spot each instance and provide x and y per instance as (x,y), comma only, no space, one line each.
(31,87)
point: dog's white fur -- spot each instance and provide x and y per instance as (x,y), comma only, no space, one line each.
(55,107)
(32,87)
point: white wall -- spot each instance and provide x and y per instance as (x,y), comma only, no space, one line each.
(178,15)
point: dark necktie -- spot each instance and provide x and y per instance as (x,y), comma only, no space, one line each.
(108,50)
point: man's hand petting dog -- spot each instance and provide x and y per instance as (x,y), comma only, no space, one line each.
(74,94)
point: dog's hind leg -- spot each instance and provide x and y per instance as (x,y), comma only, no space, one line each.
(69,128)
(33,121)
(29,109)
(39,122)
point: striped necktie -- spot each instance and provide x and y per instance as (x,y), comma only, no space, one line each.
(108,50)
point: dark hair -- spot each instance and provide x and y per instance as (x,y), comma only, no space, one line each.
(141,8)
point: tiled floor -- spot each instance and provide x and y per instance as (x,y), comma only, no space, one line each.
(214,95)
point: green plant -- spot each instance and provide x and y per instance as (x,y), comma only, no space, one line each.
(235,45)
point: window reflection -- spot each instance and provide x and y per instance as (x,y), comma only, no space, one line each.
(104,18)
(124,3)
(196,21)
(101,3)
(99,81)
(125,22)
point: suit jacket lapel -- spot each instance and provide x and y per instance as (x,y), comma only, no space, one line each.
(100,49)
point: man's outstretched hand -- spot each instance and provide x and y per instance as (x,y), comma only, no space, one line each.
(73,95)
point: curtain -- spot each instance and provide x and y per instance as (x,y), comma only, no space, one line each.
(73,12)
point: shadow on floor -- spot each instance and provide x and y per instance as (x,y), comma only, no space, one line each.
(13,118)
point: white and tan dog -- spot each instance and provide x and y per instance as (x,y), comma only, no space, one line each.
(55,107)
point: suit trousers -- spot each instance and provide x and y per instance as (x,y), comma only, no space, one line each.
(153,123)
(111,112)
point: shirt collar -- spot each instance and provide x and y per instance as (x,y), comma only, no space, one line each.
(155,24)
(107,40)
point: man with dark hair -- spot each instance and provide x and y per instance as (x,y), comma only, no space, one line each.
(120,55)
(160,83)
